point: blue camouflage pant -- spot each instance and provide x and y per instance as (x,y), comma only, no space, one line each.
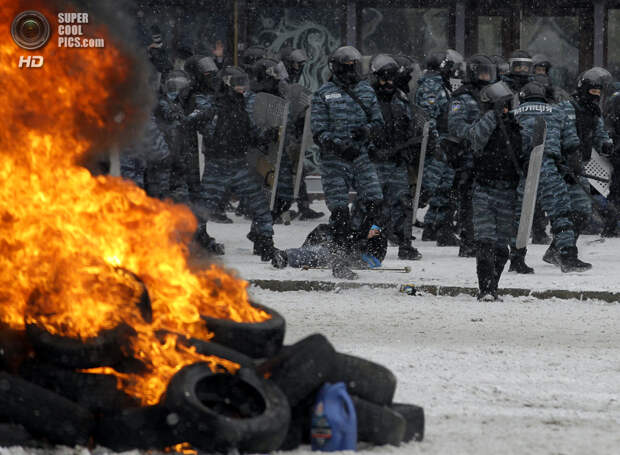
(286,185)
(581,204)
(554,200)
(397,200)
(437,183)
(133,168)
(493,211)
(338,176)
(221,176)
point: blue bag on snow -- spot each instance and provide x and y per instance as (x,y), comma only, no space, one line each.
(334,422)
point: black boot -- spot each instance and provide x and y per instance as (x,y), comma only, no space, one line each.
(569,262)
(501,257)
(202,238)
(552,255)
(409,253)
(485,269)
(517,262)
(306,213)
(445,237)
(280,259)
(264,246)
(429,234)
(467,250)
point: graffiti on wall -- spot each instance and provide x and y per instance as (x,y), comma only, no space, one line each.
(301,28)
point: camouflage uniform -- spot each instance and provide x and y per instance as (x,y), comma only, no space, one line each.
(171,121)
(464,111)
(390,153)
(147,163)
(433,96)
(592,135)
(226,167)
(552,191)
(494,195)
(334,117)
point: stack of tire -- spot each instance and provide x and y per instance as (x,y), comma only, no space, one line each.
(45,398)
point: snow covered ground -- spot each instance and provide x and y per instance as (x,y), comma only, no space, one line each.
(522,376)
(438,266)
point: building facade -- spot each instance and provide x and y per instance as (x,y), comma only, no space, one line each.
(574,34)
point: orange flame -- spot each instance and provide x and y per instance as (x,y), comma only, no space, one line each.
(65,234)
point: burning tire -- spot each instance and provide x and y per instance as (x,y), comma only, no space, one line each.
(301,368)
(44,413)
(414,416)
(377,424)
(219,411)
(257,340)
(151,427)
(219,350)
(14,347)
(103,350)
(366,379)
(95,392)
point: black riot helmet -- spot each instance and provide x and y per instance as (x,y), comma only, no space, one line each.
(177,85)
(521,64)
(533,91)
(434,59)
(448,63)
(592,80)
(502,65)
(294,61)
(384,70)
(408,68)
(480,70)
(346,64)
(541,64)
(496,92)
(234,80)
(267,73)
(252,54)
(203,70)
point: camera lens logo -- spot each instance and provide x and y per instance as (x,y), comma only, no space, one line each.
(30,30)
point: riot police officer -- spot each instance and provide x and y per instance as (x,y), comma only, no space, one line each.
(553,190)
(433,95)
(495,141)
(345,115)
(464,111)
(391,151)
(583,108)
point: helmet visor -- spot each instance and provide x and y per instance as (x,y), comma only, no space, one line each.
(240,80)
(483,72)
(176,84)
(521,66)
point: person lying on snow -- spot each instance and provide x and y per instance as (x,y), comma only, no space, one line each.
(365,249)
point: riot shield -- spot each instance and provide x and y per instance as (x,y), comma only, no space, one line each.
(306,143)
(271,111)
(531,183)
(600,167)
(421,125)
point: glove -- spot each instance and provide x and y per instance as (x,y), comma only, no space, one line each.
(498,108)
(360,133)
(347,150)
(607,149)
(574,163)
